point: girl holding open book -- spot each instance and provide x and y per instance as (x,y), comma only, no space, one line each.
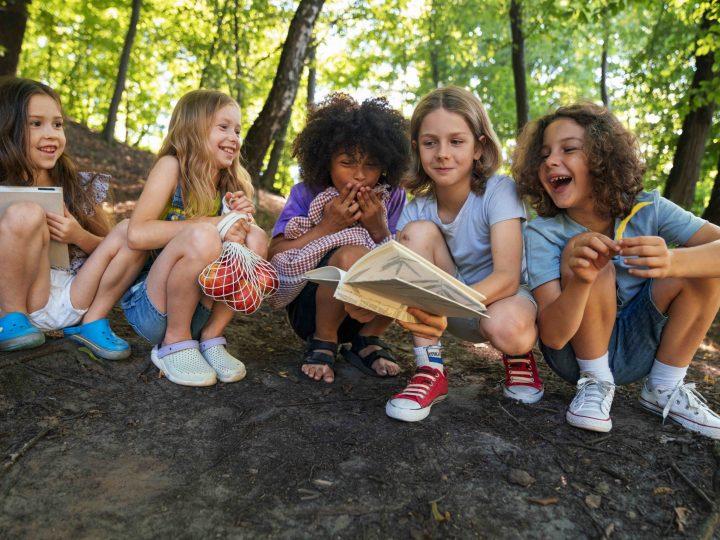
(33,296)
(467,220)
(352,157)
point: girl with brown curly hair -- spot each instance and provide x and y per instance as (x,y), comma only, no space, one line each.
(352,157)
(467,220)
(616,304)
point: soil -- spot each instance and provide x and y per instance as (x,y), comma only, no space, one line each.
(100,449)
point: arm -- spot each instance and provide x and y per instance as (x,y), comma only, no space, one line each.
(146,231)
(507,251)
(699,258)
(561,310)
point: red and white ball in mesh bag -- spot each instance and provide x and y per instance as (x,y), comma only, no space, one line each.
(238,277)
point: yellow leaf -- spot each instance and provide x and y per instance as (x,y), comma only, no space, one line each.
(436,513)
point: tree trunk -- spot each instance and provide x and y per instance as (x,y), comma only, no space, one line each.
(604,71)
(284,88)
(712,212)
(268,177)
(109,129)
(312,76)
(683,177)
(518,64)
(213,45)
(13,19)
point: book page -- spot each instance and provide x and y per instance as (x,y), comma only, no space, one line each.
(325,275)
(374,302)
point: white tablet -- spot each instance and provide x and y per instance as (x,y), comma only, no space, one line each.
(51,199)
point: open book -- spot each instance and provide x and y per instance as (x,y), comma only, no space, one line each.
(392,278)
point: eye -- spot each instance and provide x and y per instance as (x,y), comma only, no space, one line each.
(58,124)
(457,142)
(569,149)
(428,144)
(35,123)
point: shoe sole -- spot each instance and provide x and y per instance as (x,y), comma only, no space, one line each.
(410,415)
(707,431)
(590,424)
(528,400)
(161,366)
(233,378)
(99,351)
(28,341)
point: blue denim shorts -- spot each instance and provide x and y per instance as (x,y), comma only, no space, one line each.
(147,320)
(634,341)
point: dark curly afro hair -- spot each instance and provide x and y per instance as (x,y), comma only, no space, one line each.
(339,123)
(613,160)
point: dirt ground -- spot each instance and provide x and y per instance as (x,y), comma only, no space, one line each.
(96,449)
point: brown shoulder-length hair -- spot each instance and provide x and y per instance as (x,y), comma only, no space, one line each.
(613,159)
(190,124)
(16,169)
(460,101)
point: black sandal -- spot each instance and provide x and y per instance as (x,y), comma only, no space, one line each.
(364,363)
(312,354)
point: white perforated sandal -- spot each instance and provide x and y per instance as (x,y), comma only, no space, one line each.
(183,364)
(226,366)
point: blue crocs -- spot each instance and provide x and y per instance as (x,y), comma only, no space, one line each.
(16,332)
(100,339)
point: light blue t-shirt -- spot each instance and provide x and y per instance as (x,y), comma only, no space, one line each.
(468,235)
(545,239)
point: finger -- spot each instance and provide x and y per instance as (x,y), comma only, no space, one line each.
(354,207)
(585,252)
(641,240)
(643,251)
(350,197)
(54,216)
(646,272)
(576,262)
(357,216)
(650,262)
(599,246)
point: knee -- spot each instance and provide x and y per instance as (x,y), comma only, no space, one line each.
(346,256)
(511,334)
(23,219)
(706,288)
(257,241)
(201,240)
(417,232)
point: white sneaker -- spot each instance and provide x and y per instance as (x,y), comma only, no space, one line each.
(591,407)
(683,404)
(226,366)
(183,364)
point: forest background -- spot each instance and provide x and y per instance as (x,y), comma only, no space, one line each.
(120,66)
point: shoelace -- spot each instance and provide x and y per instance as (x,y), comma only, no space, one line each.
(417,387)
(693,398)
(519,370)
(593,390)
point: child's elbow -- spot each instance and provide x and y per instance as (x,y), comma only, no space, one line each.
(134,239)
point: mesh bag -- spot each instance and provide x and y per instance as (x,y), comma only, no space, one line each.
(238,277)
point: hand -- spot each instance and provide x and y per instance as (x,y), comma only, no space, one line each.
(342,211)
(238,202)
(360,314)
(589,253)
(238,232)
(64,228)
(429,326)
(373,218)
(649,251)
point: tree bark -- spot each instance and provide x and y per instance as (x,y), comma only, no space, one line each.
(284,88)
(712,212)
(268,177)
(13,20)
(312,76)
(604,71)
(685,172)
(518,64)
(109,130)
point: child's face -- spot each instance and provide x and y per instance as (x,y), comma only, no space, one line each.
(447,148)
(224,137)
(564,170)
(45,141)
(358,169)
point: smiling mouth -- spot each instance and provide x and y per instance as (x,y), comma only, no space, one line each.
(229,151)
(48,149)
(560,181)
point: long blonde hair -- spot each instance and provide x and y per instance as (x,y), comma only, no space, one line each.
(460,101)
(187,136)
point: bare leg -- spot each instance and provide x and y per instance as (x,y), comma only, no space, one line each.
(511,327)
(220,318)
(107,273)
(172,282)
(25,283)
(257,241)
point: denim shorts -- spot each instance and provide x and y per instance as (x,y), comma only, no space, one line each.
(147,320)
(634,341)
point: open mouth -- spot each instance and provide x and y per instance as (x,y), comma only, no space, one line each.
(229,152)
(48,149)
(559,181)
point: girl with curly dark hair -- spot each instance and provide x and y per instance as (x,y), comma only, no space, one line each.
(352,157)
(615,303)
(33,296)
(467,220)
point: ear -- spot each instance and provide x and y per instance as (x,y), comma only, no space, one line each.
(479,147)
(414,145)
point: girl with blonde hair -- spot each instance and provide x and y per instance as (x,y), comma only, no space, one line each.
(176,215)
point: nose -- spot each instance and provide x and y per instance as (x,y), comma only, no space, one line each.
(359,172)
(442,151)
(553,159)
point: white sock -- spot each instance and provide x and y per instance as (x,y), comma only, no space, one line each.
(430,355)
(665,376)
(597,367)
